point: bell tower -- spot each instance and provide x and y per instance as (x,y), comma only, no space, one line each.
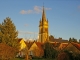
(43,28)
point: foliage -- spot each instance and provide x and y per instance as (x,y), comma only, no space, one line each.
(60,38)
(8,33)
(51,37)
(79,40)
(72,40)
(72,56)
(7,52)
(8,36)
(49,51)
(62,56)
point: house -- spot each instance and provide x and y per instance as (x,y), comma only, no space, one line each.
(36,50)
(73,47)
(58,41)
(62,46)
(23,47)
(22,44)
(58,44)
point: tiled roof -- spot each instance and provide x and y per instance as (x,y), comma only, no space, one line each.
(55,44)
(59,40)
(29,44)
(76,45)
(20,39)
(39,45)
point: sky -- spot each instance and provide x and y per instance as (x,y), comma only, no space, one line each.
(63,17)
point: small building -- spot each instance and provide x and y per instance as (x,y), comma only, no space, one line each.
(73,47)
(22,48)
(36,50)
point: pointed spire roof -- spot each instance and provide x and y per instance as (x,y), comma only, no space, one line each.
(43,15)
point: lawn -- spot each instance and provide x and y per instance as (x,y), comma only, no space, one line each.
(18,59)
(33,59)
(43,59)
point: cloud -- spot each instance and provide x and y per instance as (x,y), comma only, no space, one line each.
(26,12)
(26,25)
(79,7)
(27,32)
(36,9)
(47,8)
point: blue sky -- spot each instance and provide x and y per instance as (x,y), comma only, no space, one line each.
(63,17)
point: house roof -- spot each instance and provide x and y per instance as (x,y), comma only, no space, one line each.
(55,44)
(39,45)
(20,39)
(29,44)
(76,45)
(59,40)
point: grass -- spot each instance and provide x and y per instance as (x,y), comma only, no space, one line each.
(43,59)
(33,59)
(18,59)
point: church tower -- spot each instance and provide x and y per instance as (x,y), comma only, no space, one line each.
(43,28)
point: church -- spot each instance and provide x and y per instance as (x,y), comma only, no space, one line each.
(43,28)
(44,32)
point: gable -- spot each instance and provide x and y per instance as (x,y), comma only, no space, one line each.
(22,44)
(33,46)
(71,47)
(63,45)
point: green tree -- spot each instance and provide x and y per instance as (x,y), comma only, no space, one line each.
(72,40)
(8,33)
(49,51)
(51,37)
(60,38)
(79,40)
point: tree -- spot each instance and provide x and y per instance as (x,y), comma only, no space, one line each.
(51,37)
(63,56)
(7,52)
(72,40)
(79,40)
(60,38)
(49,51)
(8,33)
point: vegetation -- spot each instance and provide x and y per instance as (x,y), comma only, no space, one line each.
(9,45)
(8,39)
(72,40)
(8,33)
(49,51)
(7,52)
(18,59)
(62,56)
(72,56)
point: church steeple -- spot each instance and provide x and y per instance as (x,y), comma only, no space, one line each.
(43,15)
(43,28)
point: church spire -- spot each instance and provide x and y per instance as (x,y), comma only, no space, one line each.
(43,15)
